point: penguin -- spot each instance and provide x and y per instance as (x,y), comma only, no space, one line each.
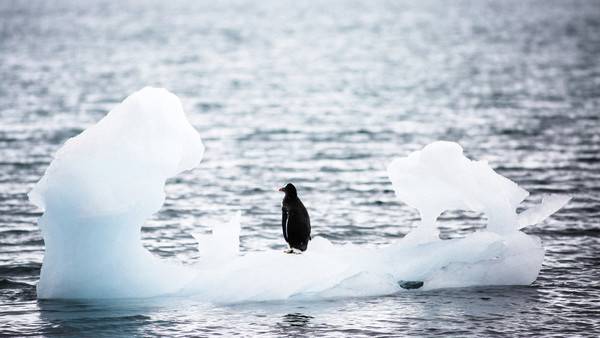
(295,221)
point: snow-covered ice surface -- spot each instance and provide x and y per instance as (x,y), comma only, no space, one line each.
(104,183)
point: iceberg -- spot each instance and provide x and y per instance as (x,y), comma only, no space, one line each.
(99,190)
(104,183)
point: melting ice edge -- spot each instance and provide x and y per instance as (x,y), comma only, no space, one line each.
(104,183)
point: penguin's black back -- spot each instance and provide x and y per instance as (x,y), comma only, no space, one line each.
(295,220)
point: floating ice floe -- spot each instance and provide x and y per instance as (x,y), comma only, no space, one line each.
(104,183)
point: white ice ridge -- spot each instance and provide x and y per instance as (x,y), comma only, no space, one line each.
(440,178)
(104,183)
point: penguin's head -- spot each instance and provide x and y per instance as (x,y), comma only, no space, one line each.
(289,190)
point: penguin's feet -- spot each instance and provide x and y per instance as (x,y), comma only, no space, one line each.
(291,251)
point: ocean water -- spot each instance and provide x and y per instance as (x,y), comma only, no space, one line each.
(325,95)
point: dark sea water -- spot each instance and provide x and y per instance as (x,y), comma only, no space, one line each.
(325,95)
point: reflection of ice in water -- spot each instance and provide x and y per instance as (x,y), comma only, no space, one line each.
(107,181)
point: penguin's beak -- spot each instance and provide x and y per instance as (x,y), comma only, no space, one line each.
(281,189)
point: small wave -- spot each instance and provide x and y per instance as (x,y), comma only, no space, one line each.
(32,269)
(570,232)
(10,284)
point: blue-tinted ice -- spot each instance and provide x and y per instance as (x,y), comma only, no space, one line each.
(104,183)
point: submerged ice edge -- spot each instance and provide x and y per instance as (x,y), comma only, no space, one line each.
(104,183)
